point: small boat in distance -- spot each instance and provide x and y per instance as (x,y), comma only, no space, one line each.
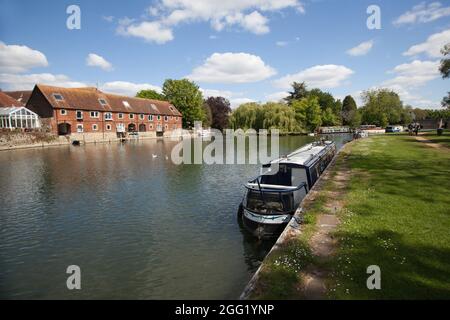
(272,198)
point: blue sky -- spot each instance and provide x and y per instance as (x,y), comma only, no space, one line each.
(242,49)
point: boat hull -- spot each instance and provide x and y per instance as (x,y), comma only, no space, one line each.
(260,229)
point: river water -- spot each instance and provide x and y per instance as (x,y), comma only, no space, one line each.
(138,226)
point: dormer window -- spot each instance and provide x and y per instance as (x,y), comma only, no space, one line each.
(58,97)
(102,102)
(126,104)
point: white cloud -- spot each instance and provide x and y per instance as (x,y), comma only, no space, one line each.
(412,76)
(217,93)
(281,43)
(149,31)
(232,68)
(320,76)
(423,13)
(250,15)
(94,60)
(432,46)
(16,58)
(108,18)
(127,88)
(277,96)
(361,49)
(27,81)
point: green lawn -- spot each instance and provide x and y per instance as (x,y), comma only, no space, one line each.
(444,139)
(397,216)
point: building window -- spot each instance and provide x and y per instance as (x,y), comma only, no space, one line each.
(94,127)
(120,115)
(108,127)
(126,104)
(150,118)
(58,97)
(94,114)
(79,128)
(171,117)
(79,114)
(141,116)
(176,118)
(131,115)
(159,117)
(166,118)
(63,112)
(102,102)
(108,116)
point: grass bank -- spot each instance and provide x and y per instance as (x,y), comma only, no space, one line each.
(444,139)
(395,214)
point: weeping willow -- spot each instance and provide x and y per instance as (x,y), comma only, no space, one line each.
(268,116)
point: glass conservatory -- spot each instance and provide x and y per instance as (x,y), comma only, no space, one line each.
(18,117)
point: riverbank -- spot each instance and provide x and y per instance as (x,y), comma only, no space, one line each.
(383,202)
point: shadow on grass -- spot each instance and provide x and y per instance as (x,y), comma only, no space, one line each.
(407,271)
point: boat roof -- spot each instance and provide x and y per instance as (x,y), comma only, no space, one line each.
(305,154)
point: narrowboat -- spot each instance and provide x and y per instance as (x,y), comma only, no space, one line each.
(272,198)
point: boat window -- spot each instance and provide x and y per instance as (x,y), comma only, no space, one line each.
(282,178)
(272,203)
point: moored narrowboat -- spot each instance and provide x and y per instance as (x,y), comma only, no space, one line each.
(272,198)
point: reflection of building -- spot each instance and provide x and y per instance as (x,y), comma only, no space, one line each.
(14,115)
(90,113)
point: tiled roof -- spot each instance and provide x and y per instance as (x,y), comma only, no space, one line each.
(21,96)
(88,98)
(7,101)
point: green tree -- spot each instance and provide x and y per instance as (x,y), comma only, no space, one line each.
(446,101)
(298,92)
(208,116)
(187,98)
(308,112)
(349,112)
(279,116)
(381,107)
(444,67)
(150,94)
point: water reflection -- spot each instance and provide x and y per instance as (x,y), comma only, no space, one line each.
(138,226)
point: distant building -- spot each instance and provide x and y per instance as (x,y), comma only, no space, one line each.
(21,96)
(434,123)
(14,115)
(90,113)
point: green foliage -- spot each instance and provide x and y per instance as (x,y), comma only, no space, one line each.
(350,115)
(208,116)
(444,68)
(271,115)
(308,112)
(298,92)
(446,101)
(187,98)
(382,107)
(150,94)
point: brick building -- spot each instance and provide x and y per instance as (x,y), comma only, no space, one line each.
(89,113)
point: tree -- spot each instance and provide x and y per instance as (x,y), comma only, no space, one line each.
(446,101)
(382,106)
(150,94)
(308,112)
(298,92)
(187,98)
(444,68)
(220,111)
(208,116)
(349,112)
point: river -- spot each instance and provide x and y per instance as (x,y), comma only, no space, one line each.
(138,226)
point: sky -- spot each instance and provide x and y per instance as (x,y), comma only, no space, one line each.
(244,50)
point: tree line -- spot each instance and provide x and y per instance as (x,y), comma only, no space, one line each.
(302,110)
